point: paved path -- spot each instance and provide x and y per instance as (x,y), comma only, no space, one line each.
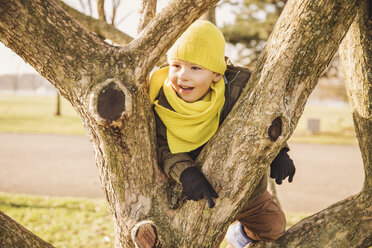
(60,165)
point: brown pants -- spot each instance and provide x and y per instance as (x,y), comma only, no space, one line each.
(263,219)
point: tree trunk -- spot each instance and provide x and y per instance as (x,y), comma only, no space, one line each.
(106,85)
(58,105)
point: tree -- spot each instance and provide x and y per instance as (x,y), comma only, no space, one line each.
(106,85)
(255,20)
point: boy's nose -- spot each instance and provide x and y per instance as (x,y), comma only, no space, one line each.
(183,74)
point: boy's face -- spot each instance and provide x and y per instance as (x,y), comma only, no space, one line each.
(190,81)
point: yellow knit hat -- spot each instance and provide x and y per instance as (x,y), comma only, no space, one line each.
(202,44)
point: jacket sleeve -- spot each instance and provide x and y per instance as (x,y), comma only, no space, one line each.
(172,164)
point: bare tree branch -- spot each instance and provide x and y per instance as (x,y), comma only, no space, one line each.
(101,10)
(115,6)
(97,26)
(210,15)
(82,4)
(124,17)
(90,7)
(13,234)
(147,12)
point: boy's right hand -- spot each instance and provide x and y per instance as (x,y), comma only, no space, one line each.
(196,187)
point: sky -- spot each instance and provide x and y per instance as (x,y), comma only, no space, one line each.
(13,64)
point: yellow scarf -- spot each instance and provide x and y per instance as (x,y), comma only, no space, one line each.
(190,125)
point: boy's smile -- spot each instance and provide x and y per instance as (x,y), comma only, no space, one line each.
(190,81)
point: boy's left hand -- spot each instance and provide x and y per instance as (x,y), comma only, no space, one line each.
(282,167)
(196,187)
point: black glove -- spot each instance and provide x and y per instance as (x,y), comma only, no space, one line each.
(196,187)
(282,167)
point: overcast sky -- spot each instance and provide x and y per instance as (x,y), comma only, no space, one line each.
(12,63)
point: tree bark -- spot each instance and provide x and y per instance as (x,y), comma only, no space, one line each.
(106,85)
(15,235)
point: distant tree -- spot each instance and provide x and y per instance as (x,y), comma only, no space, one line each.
(255,20)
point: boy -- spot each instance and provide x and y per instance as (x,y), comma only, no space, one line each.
(191,99)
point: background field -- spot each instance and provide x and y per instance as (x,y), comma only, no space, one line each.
(30,114)
(36,114)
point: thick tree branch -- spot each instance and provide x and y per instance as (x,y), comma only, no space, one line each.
(356,58)
(97,26)
(13,234)
(147,12)
(347,223)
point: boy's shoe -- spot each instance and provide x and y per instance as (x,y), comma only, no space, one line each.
(236,237)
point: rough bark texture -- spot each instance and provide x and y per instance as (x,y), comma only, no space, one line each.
(13,235)
(90,73)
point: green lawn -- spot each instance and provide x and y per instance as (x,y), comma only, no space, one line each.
(71,222)
(63,222)
(30,114)
(336,126)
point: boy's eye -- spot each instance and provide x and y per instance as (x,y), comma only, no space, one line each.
(196,68)
(176,66)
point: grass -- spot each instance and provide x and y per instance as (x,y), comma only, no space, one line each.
(335,126)
(71,222)
(30,114)
(63,222)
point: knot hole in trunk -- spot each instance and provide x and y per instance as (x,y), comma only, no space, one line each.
(110,101)
(275,129)
(145,235)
